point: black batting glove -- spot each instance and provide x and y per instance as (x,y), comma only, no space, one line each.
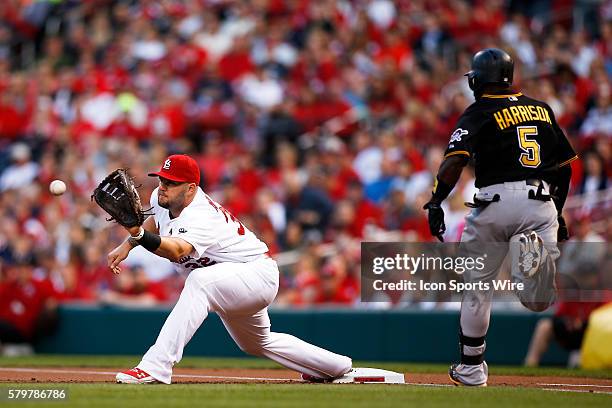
(436,219)
(562,232)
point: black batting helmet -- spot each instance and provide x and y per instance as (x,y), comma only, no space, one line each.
(490,66)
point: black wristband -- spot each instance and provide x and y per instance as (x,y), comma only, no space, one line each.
(150,241)
(441,191)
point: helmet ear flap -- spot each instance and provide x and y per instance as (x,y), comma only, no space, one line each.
(472,80)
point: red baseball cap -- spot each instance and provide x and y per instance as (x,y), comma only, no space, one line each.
(179,167)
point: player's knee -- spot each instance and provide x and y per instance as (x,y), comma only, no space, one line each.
(255,349)
(344,366)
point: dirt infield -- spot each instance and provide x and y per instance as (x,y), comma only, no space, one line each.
(240,376)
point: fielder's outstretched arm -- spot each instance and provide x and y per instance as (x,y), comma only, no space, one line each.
(171,248)
(117,255)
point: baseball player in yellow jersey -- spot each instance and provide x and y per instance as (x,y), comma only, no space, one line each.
(521,159)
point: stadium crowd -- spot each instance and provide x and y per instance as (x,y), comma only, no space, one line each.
(319,124)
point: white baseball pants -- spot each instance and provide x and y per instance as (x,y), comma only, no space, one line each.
(240,294)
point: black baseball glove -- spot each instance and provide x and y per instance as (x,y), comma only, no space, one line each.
(117,195)
(562,232)
(436,219)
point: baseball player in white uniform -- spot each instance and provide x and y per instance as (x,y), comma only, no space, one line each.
(230,273)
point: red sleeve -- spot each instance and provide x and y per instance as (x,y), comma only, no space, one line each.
(577,310)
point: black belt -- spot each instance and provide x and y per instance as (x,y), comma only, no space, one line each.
(537,195)
(533,195)
(482,203)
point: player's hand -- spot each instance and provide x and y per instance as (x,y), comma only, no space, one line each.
(436,219)
(562,232)
(117,255)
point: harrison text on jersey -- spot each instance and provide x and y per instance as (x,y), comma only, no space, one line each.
(515,115)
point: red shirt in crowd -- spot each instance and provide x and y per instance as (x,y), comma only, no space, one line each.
(576,310)
(20,304)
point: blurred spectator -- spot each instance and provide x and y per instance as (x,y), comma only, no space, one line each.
(598,121)
(155,267)
(309,205)
(132,287)
(278,127)
(261,89)
(594,179)
(22,172)
(455,218)
(364,210)
(320,122)
(272,209)
(304,283)
(566,327)
(338,284)
(581,261)
(27,305)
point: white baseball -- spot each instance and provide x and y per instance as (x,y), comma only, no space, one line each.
(57,187)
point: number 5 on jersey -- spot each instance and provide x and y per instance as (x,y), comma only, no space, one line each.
(530,147)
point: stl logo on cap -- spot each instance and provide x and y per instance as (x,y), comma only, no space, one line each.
(180,168)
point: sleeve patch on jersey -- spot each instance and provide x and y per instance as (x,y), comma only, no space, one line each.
(456,136)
